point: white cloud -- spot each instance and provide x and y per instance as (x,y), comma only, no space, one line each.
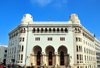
(60,3)
(57,3)
(41,2)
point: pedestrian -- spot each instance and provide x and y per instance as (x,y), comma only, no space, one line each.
(13,66)
(19,66)
(22,67)
(32,66)
(1,66)
(4,66)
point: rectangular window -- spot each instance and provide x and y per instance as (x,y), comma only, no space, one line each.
(77,57)
(77,66)
(5,55)
(76,39)
(49,39)
(23,39)
(6,51)
(76,48)
(15,49)
(62,39)
(22,48)
(21,57)
(79,39)
(85,57)
(37,39)
(19,48)
(14,56)
(20,39)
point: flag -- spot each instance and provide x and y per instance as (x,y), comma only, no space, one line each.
(49,18)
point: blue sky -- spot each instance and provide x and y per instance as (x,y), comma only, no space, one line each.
(12,12)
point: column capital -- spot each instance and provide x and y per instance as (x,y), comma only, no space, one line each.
(55,53)
(42,53)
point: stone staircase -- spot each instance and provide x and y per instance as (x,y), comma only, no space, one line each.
(61,67)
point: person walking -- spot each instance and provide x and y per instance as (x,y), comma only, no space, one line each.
(4,66)
(1,66)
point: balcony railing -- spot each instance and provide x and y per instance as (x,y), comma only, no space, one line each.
(98,57)
(97,53)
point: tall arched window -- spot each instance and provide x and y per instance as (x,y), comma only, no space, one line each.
(33,30)
(50,58)
(45,29)
(50,30)
(79,48)
(41,30)
(53,29)
(24,30)
(66,30)
(62,58)
(75,30)
(38,57)
(62,30)
(57,29)
(37,30)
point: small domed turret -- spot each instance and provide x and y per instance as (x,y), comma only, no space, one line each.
(27,18)
(74,18)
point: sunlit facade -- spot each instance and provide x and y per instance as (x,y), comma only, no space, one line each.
(52,44)
(3,54)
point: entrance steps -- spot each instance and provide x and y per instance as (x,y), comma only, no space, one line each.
(51,67)
(60,67)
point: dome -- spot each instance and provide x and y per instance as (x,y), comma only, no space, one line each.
(74,18)
(27,18)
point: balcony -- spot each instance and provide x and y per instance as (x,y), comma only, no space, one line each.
(98,57)
(97,53)
(98,61)
(98,65)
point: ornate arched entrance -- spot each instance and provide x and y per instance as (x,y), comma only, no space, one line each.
(37,54)
(50,55)
(63,56)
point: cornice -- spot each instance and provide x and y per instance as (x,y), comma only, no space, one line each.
(63,24)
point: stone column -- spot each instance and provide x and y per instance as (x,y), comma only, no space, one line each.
(66,60)
(53,59)
(58,60)
(56,57)
(34,61)
(42,59)
(46,60)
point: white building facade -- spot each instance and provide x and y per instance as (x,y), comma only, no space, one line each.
(52,44)
(3,54)
(97,48)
